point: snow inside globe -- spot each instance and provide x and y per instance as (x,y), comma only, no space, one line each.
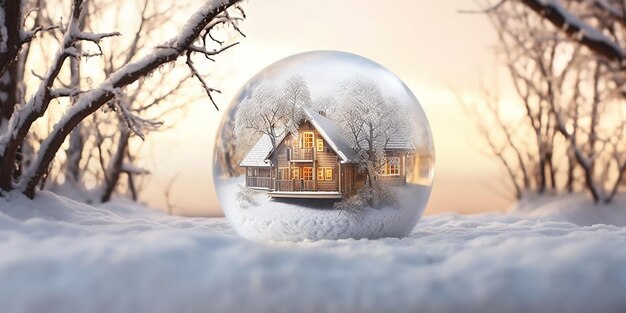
(324,145)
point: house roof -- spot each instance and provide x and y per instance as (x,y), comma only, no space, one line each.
(331,133)
(259,152)
(399,143)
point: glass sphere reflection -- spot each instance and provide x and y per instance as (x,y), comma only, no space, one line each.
(324,145)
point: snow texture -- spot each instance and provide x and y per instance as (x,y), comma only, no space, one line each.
(310,219)
(57,255)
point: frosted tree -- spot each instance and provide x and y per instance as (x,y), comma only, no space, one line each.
(325,104)
(571,90)
(369,121)
(271,111)
(195,37)
(101,147)
(262,113)
(296,94)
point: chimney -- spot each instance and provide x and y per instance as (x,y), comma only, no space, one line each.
(322,113)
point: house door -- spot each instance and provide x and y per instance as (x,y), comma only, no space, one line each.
(348,180)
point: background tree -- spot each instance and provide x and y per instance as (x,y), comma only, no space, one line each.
(194,38)
(369,121)
(271,111)
(570,96)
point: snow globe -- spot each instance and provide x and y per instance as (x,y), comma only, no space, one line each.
(324,145)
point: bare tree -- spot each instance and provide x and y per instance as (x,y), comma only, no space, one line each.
(570,96)
(194,38)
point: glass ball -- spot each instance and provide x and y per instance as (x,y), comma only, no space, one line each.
(324,145)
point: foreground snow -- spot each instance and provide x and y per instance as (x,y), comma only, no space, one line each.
(575,208)
(301,219)
(57,255)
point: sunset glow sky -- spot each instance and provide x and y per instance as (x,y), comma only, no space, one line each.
(434,49)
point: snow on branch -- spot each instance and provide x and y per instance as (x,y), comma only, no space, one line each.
(92,100)
(573,26)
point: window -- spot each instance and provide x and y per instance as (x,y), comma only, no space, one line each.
(391,167)
(320,145)
(307,173)
(252,172)
(283,173)
(295,173)
(328,173)
(307,140)
(324,173)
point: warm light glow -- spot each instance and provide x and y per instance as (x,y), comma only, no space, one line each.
(434,49)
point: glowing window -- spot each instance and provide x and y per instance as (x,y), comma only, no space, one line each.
(320,145)
(295,173)
(328,173)
(307,173)
(391,167)
(320,173)
(307,140)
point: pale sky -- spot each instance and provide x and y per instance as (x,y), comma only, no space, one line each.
(434,49)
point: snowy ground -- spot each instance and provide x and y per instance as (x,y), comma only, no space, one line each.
(575,208)
(301,219)
(57,255)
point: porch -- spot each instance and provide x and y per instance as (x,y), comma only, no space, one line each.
(306,194)
(295,185)
(259,182)
(302,154)
(301,188)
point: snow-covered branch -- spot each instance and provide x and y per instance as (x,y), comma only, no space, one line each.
(576,28)
(90,101)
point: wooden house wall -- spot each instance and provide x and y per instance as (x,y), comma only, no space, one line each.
(328,159)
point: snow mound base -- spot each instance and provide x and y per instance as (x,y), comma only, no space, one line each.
(304,219)
(57,255)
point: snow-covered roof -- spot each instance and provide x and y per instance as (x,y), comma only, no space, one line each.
(331,133)
(399,143)
(258,154)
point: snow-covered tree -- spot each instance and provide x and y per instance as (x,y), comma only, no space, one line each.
(325,104)
(570,84)
(104,147)
(270,111)
(369,120)
(296,94)
(262,113)
(195,37)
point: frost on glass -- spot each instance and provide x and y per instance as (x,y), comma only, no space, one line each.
(324,145)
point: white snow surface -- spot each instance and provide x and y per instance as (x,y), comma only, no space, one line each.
(57,255)
(577,208)
(306,219)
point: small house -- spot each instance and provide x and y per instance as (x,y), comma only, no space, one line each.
(317,162)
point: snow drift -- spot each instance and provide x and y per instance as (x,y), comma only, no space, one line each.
(306,219)
(57,255)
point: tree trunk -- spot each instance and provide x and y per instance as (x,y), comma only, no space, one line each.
(112,175)
(93,100)
(10,46)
